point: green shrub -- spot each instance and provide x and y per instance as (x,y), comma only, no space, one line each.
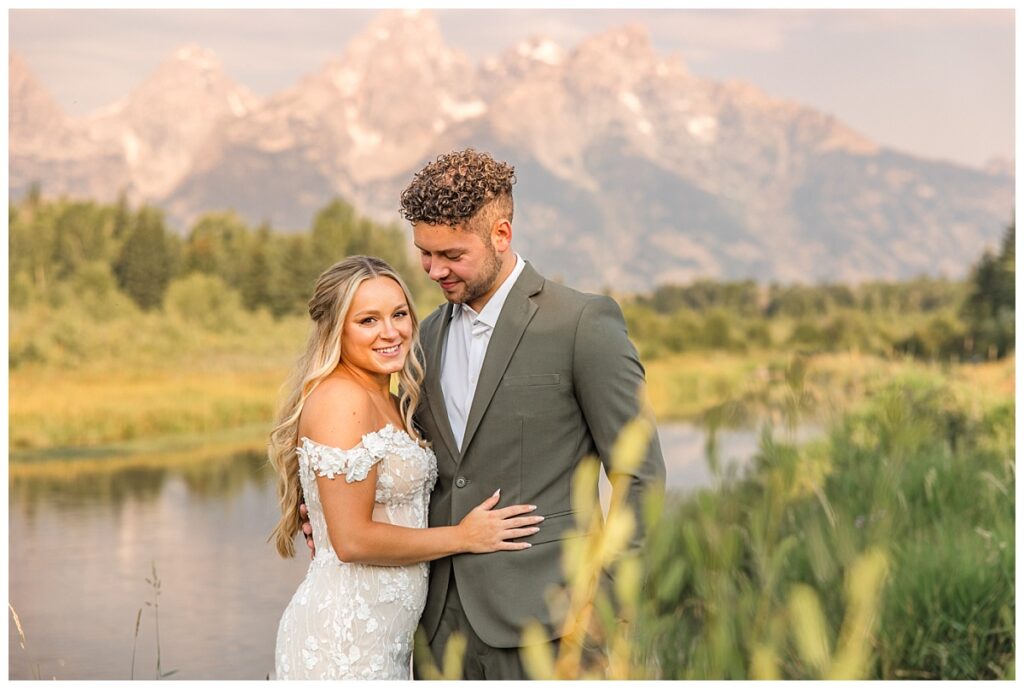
(205,301)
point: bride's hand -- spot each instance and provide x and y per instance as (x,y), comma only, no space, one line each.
(485,529)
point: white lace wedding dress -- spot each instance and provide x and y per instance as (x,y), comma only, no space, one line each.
(354,621)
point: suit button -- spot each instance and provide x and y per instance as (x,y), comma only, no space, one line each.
(461,482)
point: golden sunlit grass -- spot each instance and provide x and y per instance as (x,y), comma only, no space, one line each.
(50,409)
(995,377)
(604,546)
(687,386)
(453,661)
(81,381)
(683,386)
(103,403)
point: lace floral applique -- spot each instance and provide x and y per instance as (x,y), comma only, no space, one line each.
(324,460)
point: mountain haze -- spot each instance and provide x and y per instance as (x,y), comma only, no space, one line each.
(631,170)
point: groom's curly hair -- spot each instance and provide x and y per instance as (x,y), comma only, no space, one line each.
(453,189)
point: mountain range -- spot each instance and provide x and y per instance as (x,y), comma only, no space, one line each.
(632,171)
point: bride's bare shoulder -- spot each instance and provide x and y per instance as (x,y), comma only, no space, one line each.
(338,413)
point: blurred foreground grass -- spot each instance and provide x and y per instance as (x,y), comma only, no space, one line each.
(883,551)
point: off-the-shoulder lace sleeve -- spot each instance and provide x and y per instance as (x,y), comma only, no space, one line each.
(354,464)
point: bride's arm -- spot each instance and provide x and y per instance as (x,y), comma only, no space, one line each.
(348,509)
(338,414)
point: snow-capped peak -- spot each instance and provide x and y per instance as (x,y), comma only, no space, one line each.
(197,57)
(542,50)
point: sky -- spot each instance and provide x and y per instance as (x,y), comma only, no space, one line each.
(934,83)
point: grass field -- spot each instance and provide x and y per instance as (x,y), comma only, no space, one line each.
(102,403)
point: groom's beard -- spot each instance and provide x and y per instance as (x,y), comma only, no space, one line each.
(482,284)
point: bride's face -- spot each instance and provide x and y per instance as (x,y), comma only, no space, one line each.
(378,329)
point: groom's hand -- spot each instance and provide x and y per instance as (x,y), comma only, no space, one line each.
(307,528)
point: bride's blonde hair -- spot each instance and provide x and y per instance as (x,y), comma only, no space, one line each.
(328,308)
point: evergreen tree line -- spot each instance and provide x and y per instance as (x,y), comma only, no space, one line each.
(924,317)
(59,243)
(748,298)
(62,246)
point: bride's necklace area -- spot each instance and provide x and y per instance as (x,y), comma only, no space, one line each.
(383,403)
(386,408)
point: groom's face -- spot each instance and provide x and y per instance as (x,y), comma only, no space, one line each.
(462,262)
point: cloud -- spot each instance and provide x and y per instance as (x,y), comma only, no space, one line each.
(839,20)
(89,58)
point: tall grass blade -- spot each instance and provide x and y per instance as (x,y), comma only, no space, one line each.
(135,641)
(17,623)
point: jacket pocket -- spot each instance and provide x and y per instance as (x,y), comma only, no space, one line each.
(555,527)
(535,379)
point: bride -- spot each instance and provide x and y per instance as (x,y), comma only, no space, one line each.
(347,447)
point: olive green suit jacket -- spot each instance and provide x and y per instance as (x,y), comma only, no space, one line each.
(559,380)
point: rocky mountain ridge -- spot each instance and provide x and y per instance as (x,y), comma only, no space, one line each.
(632,171)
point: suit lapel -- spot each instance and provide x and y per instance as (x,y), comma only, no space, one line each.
(515,315)
(434,392)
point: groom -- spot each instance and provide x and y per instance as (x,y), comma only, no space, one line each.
(524,378)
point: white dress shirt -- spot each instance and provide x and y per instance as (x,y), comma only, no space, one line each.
(469,333)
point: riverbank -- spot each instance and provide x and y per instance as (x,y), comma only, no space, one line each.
(77,408)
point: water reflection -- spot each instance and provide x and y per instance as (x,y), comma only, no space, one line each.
(686,458)
(208,481)
(139,483)
(61,482)
(83,538)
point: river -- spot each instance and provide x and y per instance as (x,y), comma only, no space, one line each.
(81,546)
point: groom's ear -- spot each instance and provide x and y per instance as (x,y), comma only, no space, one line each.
(501,234)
